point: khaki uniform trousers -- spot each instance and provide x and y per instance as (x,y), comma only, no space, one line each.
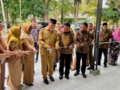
(14,78)
(47,60)
(2,76)
(90,56)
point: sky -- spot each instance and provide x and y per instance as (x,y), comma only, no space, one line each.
(104,3)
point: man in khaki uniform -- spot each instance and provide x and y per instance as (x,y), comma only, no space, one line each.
(48,39)
(90,53)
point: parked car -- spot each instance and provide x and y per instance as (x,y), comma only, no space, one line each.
(77,26)
(8,25)
(44,24)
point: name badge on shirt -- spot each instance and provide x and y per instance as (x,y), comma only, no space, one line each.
(2,60)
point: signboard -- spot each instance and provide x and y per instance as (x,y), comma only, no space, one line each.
(81,21)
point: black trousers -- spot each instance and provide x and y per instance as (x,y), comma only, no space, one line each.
(84,58)
(67,59)
(105,52)
(37,48)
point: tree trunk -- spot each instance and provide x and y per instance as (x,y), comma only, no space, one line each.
(76,7)
(62,16)
(115,23)
(34,17)
(46,16)
(12,21)
(7,14)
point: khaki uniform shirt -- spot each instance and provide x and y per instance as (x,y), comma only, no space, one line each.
(104,37)
(48,38)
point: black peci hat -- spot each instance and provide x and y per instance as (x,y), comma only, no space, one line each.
(53,21)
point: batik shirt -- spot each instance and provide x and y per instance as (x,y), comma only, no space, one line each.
(104,37)
(35,33)
(65,40)
(83,37)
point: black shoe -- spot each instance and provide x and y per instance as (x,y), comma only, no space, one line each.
(60,77)
(76,74)
(51,78)
(89,68)
(46,81)
(29,84)
(54,67)
(67,77)
(84,76)
(105,65)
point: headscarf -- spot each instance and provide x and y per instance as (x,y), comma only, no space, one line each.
(14,36)
(25,28)
(25,34)
(25,31)
(60,27)
(116,35)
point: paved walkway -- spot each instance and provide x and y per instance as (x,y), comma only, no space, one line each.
(109,79)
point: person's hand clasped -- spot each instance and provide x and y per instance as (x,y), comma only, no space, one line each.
(27,52)
(19,54)
(38,43)
(110,40)
(8,55)
(70,46)
(78,45)
(57,47)
(35,50)
(82,44)
(48,47)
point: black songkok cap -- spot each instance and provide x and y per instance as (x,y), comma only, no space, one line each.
(53,21)
(84,23)
(104,24)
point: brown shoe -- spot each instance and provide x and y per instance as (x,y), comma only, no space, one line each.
(72,69)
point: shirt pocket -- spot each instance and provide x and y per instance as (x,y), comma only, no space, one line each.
(45,36)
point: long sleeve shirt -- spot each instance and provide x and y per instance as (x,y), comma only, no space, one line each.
(48,38)
(35,33)
(104,37)
(85,38)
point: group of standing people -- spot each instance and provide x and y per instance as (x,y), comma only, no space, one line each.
(23,42)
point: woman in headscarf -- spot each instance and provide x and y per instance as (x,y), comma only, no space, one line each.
(5,53)
(60,27)
(28,67)
(114,48)
(15,62)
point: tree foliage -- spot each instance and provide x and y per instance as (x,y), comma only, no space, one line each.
(32,7)
(60,7)
(88,7)
(111,12)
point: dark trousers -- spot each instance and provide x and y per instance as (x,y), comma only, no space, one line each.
(105,52)
(84,58)
(67,59)
(37,48)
